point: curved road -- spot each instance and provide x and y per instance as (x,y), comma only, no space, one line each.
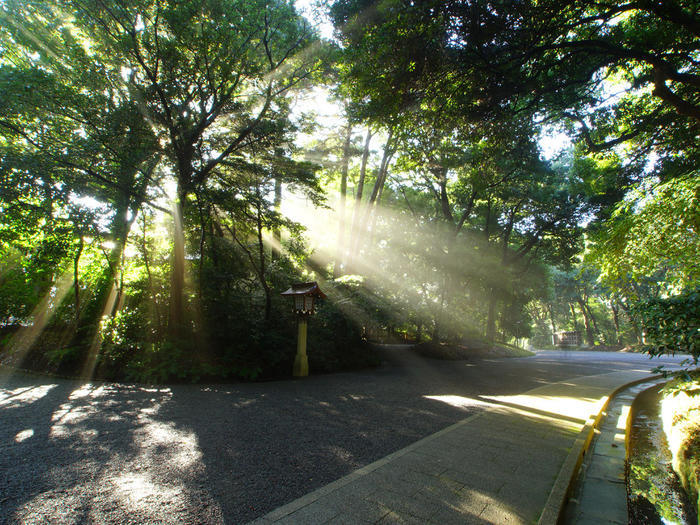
(116,453)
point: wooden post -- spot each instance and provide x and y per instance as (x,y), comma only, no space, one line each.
(301,361)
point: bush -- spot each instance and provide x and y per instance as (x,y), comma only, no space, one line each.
(672,324)
(335,340)
(335,332)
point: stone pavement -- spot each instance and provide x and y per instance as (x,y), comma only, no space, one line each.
(511,463)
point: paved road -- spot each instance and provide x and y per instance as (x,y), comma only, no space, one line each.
(72,453)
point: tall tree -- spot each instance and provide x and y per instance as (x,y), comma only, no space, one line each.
(208,75)
(70,132)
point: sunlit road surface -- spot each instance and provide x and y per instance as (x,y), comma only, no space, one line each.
(84,453)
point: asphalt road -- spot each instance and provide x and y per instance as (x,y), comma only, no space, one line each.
(118,453)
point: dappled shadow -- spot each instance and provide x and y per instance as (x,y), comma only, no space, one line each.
(229,453)
(85,453)
(263,451)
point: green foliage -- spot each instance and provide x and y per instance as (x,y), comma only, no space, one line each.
(653,233)
(671,325)
(63,358)
(487,72)
(123,336)
(486,61)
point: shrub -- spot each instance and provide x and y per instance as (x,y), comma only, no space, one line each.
(671,324)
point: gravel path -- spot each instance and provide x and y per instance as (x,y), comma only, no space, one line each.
(116,453)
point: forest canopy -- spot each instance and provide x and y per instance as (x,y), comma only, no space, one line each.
(165,173)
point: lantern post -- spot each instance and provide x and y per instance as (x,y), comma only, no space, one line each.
(304,296)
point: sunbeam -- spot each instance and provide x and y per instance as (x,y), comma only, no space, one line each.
(398,257)
(96,344)
(24,339)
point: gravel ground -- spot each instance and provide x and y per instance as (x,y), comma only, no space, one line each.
(119,453)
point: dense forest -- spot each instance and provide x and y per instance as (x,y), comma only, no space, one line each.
(166,170)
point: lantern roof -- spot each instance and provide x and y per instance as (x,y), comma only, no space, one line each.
(310,288)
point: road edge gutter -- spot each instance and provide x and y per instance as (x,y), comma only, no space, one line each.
(553,511)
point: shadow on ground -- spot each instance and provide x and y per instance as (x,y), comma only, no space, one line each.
(75,453)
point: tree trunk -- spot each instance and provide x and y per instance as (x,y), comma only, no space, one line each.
(635,326)
(439,331)
(358,208)
(106,299)
(590,338)
(487,221)
(493,303)
(259,266)
(376,211)
(99,307)
(149,275)
(593,320)
(573,317)
(202,241)
(277,231)
(177,278)
(383,167)
(263,269)
(551,318)
(378,185)
(616,320)
(340,254)
(491,319)
(76,281)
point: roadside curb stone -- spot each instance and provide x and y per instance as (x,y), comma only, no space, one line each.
(600,494)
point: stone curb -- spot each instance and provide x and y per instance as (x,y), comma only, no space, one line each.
(553,511)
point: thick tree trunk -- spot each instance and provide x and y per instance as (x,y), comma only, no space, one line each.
(176,320)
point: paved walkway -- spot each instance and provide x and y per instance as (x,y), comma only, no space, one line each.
(511,463)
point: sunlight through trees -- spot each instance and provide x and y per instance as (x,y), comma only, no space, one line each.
(162,179)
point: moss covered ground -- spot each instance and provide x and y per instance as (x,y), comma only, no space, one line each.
(680,411)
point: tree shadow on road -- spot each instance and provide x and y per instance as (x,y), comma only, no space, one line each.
(79,453)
